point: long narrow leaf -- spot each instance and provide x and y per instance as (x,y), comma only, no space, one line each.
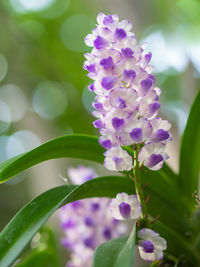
(71,146)
(190,153)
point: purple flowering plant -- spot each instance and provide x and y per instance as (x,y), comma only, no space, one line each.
(142,191)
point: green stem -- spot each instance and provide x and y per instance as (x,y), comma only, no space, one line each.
(138,187)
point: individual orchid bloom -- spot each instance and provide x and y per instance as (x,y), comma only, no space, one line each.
(117,159)
(135,131)
(125,207)
(149,105)
(151,245)
(108,139)
(127,100)
(152,155)
(160,130)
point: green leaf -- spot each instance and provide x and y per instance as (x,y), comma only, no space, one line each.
(29,219)
(164,199)
(45,253)
(190,153)
(73,146)
(116,253)
(176,244)
(38,257)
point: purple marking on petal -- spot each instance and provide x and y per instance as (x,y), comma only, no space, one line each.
(161,135)
(148,57)
(127,52)
(108,20)
(107,63)
(125,210)
(76,204)
(129,74)
(98,123)
(89,242)
(68,224)
(121,103)
(107,233)
(145,85)
(91,87)
(136,134)
(108,82)
(67,244)
(117,123)
(91,68)
(115,221)
(153,107)
(95,206)
(89,177)
(154,160)
(152,77)
(148,246)
(120,34)
(107,144)
(98,105)
(88,221)
(117,160)
(100,42)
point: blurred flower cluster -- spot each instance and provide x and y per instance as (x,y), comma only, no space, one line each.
(127,100)
(87,223)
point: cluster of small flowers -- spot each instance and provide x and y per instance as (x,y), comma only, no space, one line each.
(127,101)
(86,223)
(150,244)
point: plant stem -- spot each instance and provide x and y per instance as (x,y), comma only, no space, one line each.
(138,188)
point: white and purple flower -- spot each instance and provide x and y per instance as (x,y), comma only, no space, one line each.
(125,207)
(151,245)
(117,159)
(152,155)
(127,100)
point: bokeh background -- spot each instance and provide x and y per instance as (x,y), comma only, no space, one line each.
(43,88)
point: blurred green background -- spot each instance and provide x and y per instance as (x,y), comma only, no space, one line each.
(43,87)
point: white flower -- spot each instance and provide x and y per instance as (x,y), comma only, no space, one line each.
(117,159)
(125,207)
(151,245)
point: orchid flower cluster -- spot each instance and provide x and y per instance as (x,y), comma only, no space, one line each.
(127,101)
(86,223)
(127,105)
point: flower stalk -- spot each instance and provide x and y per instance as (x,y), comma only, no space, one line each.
(138,186)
